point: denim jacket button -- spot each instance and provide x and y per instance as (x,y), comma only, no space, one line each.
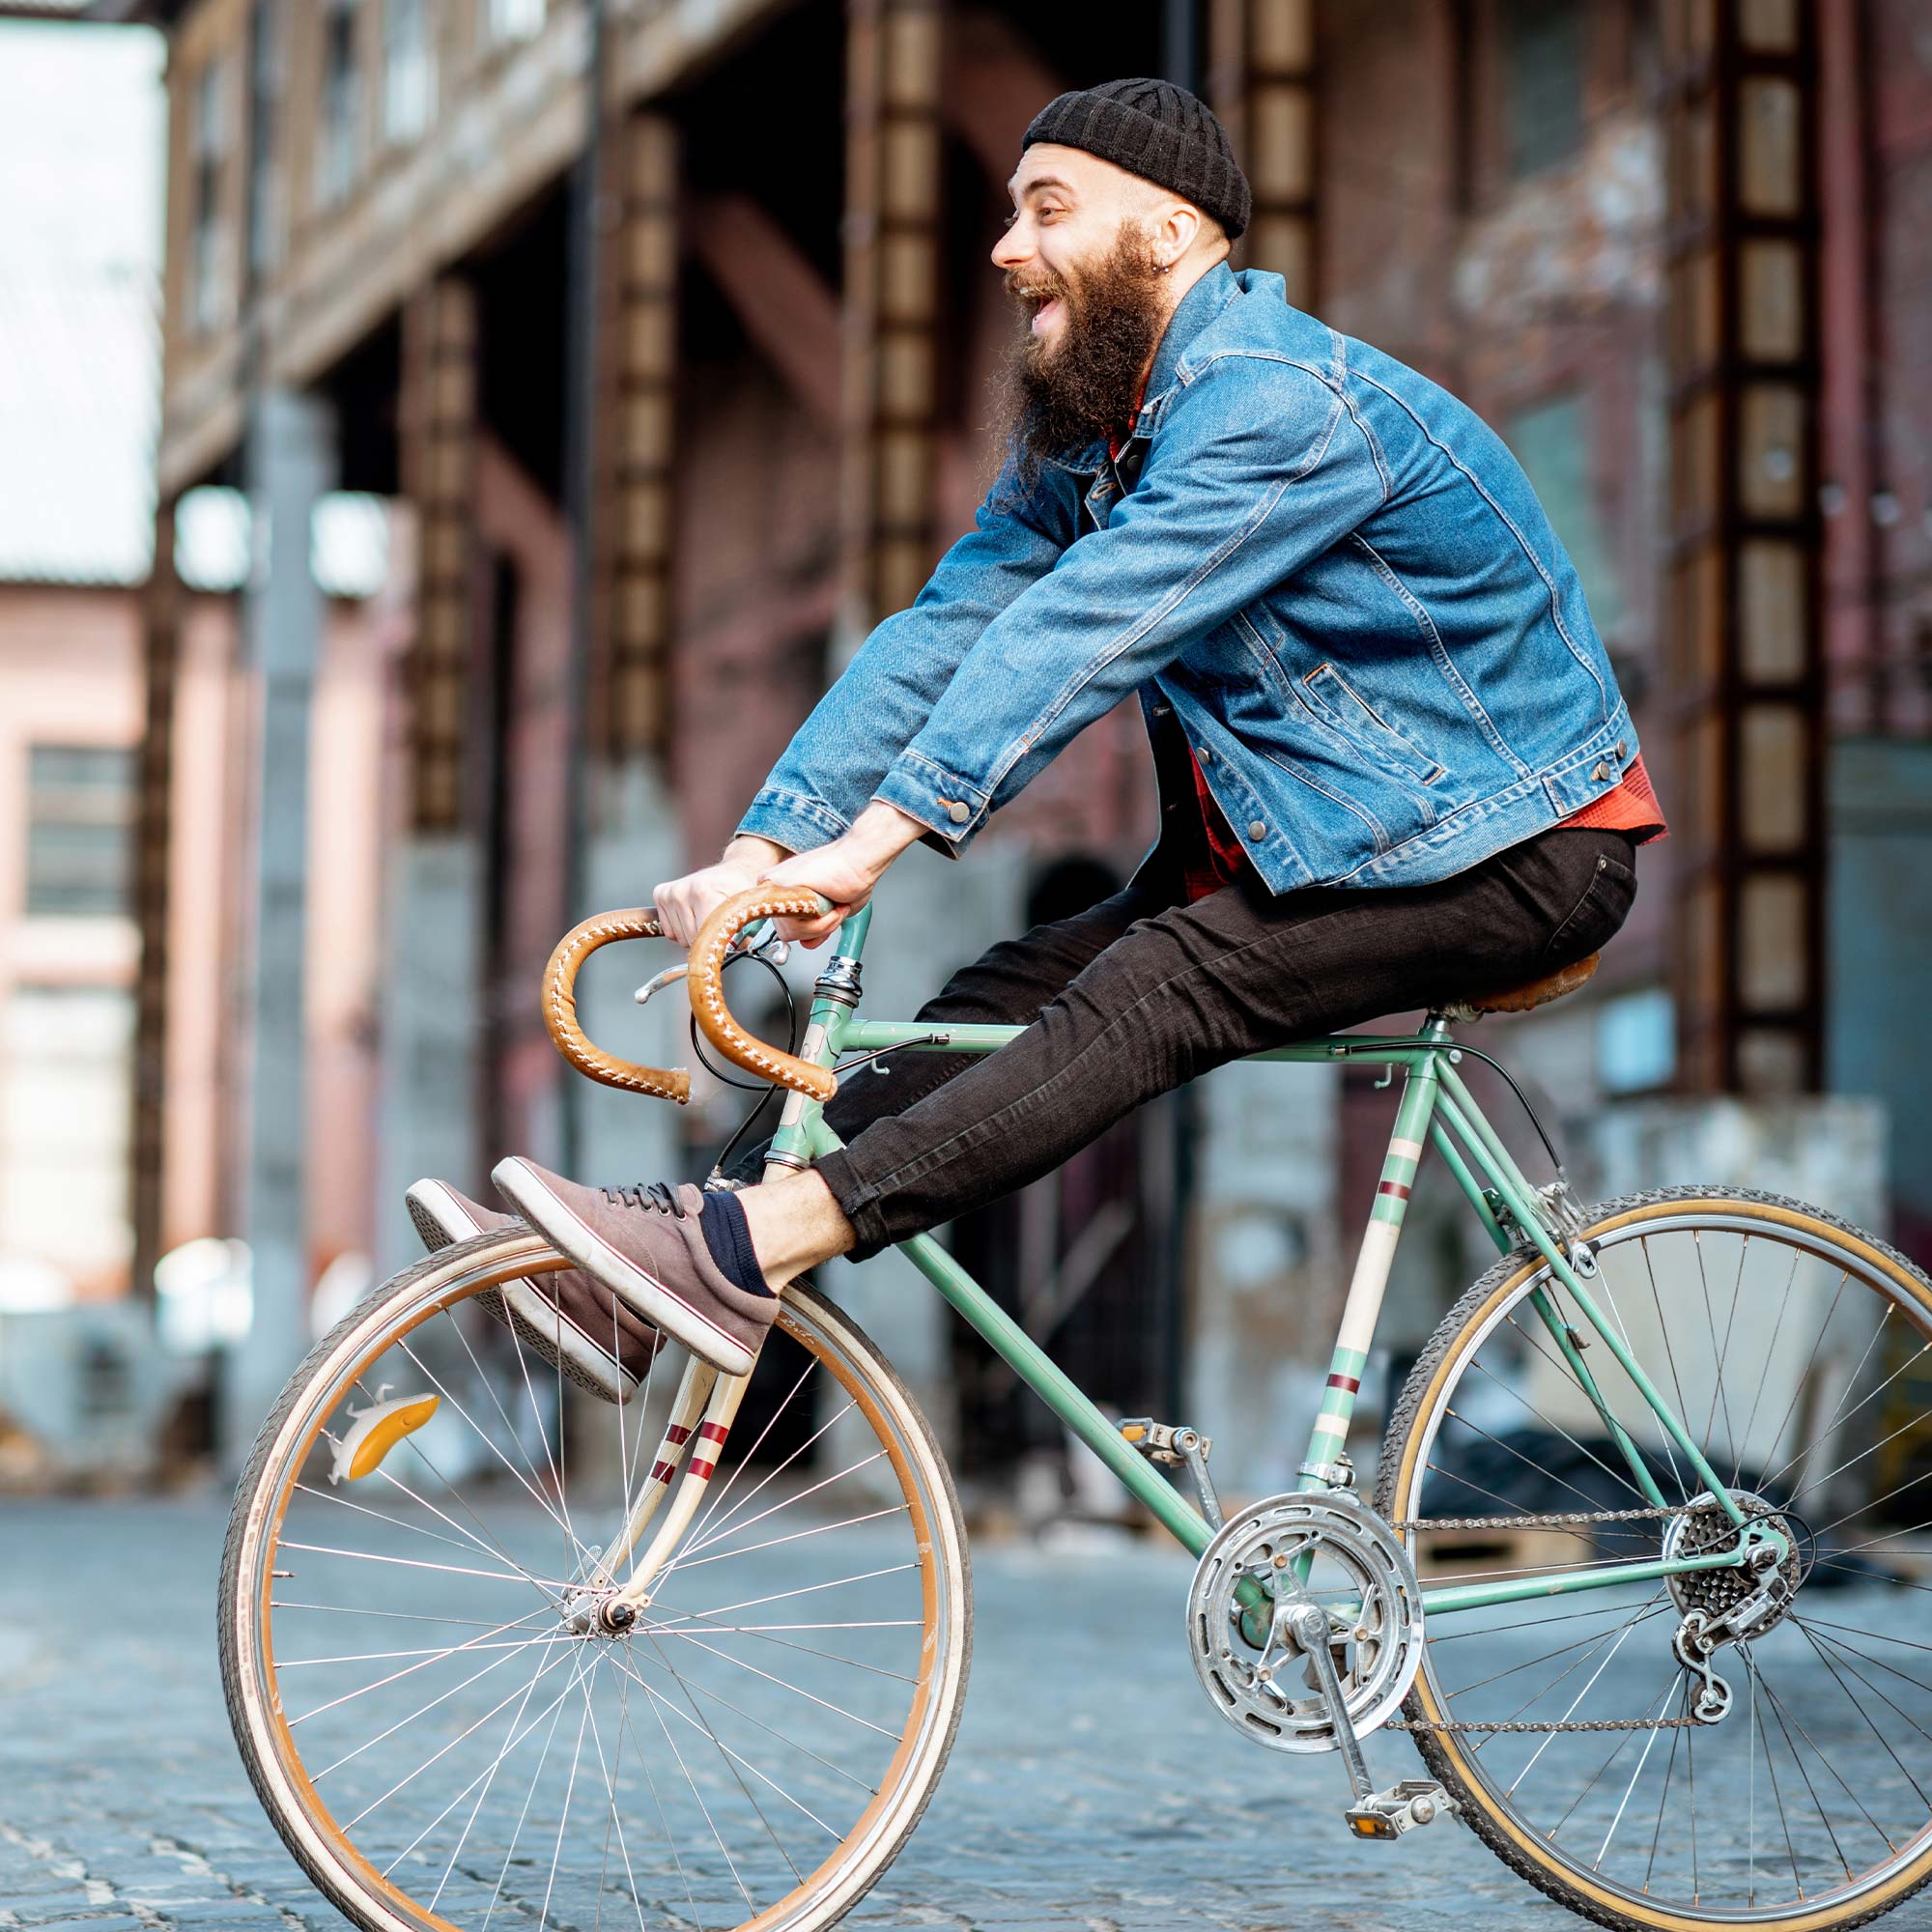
(1601,772)
(1623,748)
(1257,829)
(959,812)
(1204,752)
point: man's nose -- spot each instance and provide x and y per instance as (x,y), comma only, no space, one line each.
(1012,249)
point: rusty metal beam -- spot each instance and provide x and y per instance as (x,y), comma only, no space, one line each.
(440,428)
(891,271)
(1743,633)
(1260,81)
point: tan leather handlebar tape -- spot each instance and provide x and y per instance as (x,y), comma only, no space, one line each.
(707,993)
(559,1006)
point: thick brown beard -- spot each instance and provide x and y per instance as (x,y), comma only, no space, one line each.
(1055,399)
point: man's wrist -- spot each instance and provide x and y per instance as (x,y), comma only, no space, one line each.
(882,832)
(747,848)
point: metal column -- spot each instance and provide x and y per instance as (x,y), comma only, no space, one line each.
(638,429)
(891,270)
(160,654)
(1261,82)
(289,455)
(438,463)
(1745,641)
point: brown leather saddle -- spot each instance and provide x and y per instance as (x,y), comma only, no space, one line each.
(1531,993)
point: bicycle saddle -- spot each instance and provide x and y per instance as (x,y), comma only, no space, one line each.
(1531,993)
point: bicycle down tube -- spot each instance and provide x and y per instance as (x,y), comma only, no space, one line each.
(1435,1107)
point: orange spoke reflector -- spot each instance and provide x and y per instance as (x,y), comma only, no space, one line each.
(375,1430)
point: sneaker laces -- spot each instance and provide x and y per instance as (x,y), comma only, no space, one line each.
(655,1197)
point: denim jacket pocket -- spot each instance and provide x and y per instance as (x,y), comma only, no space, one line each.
(1338,703)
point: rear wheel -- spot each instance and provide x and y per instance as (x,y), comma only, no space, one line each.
(439,1741)
(1798,1353)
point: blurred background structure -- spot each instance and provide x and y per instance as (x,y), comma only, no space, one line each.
(445,446)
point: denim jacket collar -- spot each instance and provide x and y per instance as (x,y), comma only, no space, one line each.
(1197,308)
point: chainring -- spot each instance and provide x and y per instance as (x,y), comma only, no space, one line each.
(1271,1695)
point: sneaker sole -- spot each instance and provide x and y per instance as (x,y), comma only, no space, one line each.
(645,1296)
(535,1320)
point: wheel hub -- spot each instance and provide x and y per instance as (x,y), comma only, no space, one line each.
(1705,1530)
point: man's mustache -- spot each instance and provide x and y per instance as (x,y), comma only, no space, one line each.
(1030,285)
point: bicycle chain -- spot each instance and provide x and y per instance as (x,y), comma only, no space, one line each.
(1572,1519)
(1433,1523)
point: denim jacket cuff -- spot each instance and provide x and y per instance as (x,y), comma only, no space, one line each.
(953,808)
(790,820)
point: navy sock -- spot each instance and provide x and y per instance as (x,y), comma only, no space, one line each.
(728,1236)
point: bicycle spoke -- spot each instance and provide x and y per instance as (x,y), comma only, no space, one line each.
(772,1475)
(794,1536)
(824,1704)
(617,1823)
(396,1676)
(689,1550)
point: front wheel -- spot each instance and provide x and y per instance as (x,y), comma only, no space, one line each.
(1798,1353)
(444,1738)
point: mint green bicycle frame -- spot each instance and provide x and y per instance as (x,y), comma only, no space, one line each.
(1435,1106)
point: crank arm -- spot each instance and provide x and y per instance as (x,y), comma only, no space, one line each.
(1307,1623)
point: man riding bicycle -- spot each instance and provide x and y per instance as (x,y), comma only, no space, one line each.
(1393,761)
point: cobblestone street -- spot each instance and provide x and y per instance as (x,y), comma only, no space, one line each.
(1091,1788)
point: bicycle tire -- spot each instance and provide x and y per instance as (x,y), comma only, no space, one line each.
(1417,1414)
(459,1272)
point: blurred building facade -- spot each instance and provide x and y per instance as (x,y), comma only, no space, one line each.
(664,329)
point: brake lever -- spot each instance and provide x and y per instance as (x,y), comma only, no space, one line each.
(775,950)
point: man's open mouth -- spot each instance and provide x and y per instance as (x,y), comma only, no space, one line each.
(1044,311)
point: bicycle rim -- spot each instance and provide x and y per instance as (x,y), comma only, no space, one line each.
(1798,1353)
(437,1744)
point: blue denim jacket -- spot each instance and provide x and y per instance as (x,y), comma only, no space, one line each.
(1329,574)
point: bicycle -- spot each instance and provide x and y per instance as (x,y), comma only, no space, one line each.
(1695,1691)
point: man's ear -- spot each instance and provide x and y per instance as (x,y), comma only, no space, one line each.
(1174,235)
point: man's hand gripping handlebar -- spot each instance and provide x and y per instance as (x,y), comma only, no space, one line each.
(704,983)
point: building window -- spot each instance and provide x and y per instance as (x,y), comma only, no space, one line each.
(513,20)
(80,823)
(408,70)
(1552,442)
(209,270)
(339,154)
(1541,53)
(265,173)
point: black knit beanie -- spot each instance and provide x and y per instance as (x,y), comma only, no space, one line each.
(1158,131)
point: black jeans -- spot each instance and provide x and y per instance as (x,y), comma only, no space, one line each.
(1139,993)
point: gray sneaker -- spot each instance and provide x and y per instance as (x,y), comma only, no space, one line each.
(644,1245)
(568,1319)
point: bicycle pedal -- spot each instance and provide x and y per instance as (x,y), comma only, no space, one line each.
(1179,1447)
(1403,1807)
